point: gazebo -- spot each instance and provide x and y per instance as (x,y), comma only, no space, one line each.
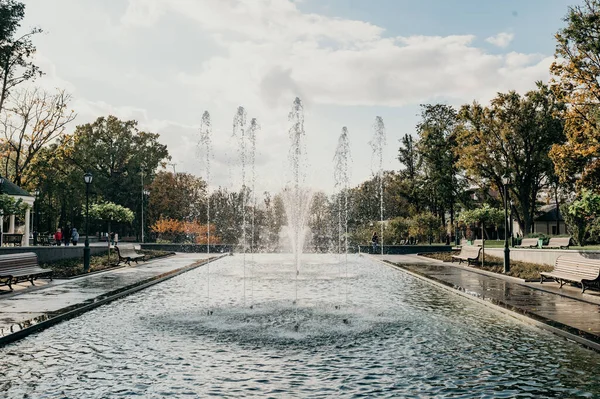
(12,190)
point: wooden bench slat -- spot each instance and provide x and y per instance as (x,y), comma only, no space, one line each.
(14,267)
(574,269)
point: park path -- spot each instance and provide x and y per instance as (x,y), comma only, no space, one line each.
(560,310)
(29,307)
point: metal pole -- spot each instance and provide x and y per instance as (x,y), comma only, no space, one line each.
(512,237)
(142,206)
(86,248)
(506,250)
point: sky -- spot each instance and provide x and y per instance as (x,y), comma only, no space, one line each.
(165,62)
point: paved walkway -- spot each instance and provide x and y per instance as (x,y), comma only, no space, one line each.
(568,311)
(25,308)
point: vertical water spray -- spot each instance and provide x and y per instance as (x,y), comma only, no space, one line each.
(296,197)
(341,175)
(205,149)
(239,134)
(254,128)
(377,144)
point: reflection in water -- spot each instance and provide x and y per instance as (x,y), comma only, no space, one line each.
(396,337)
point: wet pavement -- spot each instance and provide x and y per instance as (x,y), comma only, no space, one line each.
(28,307)
(544,303)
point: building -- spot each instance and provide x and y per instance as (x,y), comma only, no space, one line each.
(8,222)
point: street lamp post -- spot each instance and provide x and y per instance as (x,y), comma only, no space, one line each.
(87,178)
(512,237)
(36,224)
(2,213)
(506,182)
(145,193)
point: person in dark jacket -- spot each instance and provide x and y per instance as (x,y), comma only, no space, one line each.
(66,235)
(375,241)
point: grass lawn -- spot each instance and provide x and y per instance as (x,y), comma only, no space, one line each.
(524,270)
(74,267)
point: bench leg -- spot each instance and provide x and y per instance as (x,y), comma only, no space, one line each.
(583,288)
(561,282)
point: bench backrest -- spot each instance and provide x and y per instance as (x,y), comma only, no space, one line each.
(478,243)
(126,250)
(464,241)
(470,251)
(529,242)
(18,261)
(559,242)
(12,238)
(587,269)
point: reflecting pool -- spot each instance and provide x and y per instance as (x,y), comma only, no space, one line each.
(361,330)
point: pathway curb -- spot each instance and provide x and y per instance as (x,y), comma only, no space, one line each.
(45,321)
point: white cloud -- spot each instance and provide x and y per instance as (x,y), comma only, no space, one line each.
(219,54)
(502,39)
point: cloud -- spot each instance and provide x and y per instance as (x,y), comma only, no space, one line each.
(164,62)
(502,39)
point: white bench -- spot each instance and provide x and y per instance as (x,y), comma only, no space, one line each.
(575,269)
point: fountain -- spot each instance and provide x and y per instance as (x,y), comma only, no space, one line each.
(297,197)
(205,153)
(377,143)
(341,176)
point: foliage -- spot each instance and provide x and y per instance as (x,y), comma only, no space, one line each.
(424,226)
(512,136)
(176,196)
(436,147)
(399,229)
(16,51)
(171,230)
(111,212)
(484,214)
(320,223)
(577,82)
(11,206)
(581,215)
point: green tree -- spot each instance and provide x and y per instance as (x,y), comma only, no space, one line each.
(512,136)
(16,51)
(424,226)
(117,154)
(111,213)
(436,148)
(11,206)
(485,215)
(580,216)
(320,222)
(410,158)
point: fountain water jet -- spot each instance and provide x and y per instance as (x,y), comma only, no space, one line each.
(377,143)
(254,128)
(341,176)
(239,133)
(205,152)
(296,197)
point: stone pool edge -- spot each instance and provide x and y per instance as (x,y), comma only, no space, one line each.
(568,332)
(52,318)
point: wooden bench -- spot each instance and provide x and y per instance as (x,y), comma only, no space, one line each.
(127,254)
(468,253)
(528,243)
(558,242)
(576,269)
(12,239)
(478,243)
(21,267)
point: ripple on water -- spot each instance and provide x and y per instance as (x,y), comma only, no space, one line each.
(394,337)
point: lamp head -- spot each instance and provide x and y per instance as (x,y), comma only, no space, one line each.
(506,179)
(87,178)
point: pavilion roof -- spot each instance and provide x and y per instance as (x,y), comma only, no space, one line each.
(10,188)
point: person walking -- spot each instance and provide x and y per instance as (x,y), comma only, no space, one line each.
(74,236)
(375,241)
(66,235)
(58,237)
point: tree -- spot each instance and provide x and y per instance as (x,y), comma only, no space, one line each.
(32,119)
(409,157)
(111,213)
(11,206)
(576,81)
(179,196)
(320,222)
(581,214)
(424,225)
(512,136)
(484,215)
(436,148)
(16,52)
(117,154)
